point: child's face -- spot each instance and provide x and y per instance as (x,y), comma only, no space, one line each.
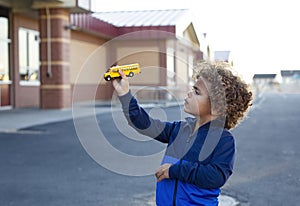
(197,102)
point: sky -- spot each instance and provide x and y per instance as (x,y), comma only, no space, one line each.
(262,35)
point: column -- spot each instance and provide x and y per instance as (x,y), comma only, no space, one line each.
(55,90)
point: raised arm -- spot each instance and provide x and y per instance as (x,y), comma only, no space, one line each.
(137,117)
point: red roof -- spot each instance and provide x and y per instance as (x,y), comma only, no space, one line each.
(91,24)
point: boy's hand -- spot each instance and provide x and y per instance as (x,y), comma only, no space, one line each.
(163,172)
(121,85)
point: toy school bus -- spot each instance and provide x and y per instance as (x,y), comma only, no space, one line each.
(129,70)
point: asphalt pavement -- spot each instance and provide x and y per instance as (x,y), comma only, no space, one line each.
(44,163)
(267,165)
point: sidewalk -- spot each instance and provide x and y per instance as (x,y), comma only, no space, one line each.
(16,119)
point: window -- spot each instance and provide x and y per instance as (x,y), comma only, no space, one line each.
(4,54)
(171,72)
(28,55)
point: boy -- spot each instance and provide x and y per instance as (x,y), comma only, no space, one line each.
(200,154)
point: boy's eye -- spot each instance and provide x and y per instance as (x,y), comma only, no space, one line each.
(196,91)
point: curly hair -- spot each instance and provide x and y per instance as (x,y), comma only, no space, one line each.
(230,96)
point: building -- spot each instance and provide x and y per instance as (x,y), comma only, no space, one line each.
(54,52)
(290,76)
(223,56)
(290,80)
(264,82)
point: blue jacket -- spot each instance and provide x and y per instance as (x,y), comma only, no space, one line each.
(202,162)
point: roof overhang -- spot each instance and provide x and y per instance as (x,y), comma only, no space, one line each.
(75,6)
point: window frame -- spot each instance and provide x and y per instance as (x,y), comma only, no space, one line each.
(30,67)
(5,77)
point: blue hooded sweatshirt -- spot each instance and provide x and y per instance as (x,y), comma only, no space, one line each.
(201,161)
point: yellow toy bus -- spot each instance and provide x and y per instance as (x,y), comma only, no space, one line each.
(129,70)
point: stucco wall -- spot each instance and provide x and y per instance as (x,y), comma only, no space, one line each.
(88,62)
(147,54)
(87,58)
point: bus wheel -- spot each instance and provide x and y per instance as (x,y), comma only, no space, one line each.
(131,74)
(108,78)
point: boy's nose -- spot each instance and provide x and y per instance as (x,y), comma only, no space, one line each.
(190,93)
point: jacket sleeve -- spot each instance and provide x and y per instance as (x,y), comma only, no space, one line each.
(212,175)
(139,119)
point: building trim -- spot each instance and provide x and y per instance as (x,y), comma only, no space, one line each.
(57,63)
(55,16)
(56,86)
(60,40)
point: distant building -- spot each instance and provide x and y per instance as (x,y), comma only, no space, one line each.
(290,80)
(264,82)
(290,76)
(264,78)
(223,56)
